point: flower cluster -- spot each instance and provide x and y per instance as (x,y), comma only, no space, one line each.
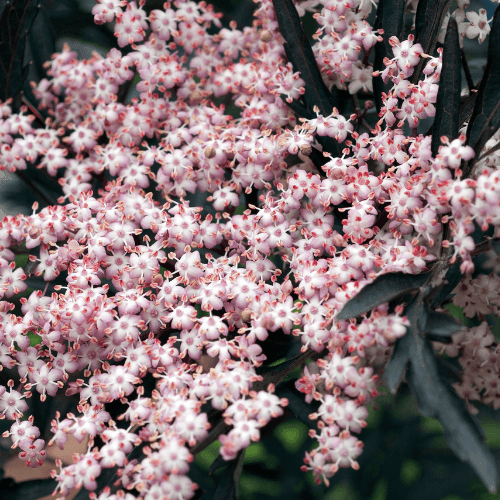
(162,285)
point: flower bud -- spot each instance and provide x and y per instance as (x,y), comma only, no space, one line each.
(265,36)
(210,152)
(195,96)
(246,315)
(306,149)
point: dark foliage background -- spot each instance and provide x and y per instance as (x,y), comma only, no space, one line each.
(405,455)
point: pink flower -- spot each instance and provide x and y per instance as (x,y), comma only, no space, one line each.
(131,25)
(163,23)
(406,54)
(12,404)
(33,452)
(46,380)
(105,10)
(20,431)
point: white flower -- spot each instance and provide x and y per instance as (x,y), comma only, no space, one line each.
(479,25)
(361,79)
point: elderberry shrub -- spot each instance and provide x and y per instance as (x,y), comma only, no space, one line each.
(197,260)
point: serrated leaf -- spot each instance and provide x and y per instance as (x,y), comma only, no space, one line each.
(227,489)
(385,288)
(437,400)
(429,378)
(453,275)
(300,54)
(397,364)
(485,118)
(465,111)
(390,17)
(451,279)
(441,325)
(15,23)
(450,84)
(429,19)
(42,188)
(466,108)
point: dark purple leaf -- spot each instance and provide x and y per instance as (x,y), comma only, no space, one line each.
(396,366)
(429,19)
(441,325)
(466,108)
(42,40)
(26,490)
(385,288)
(227,489)
(300,54)
(15,23)
(430,380)
(437,400)
(298,108)
(390,17)
(297,404)
(485,118)
(450,84)
(451,279)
